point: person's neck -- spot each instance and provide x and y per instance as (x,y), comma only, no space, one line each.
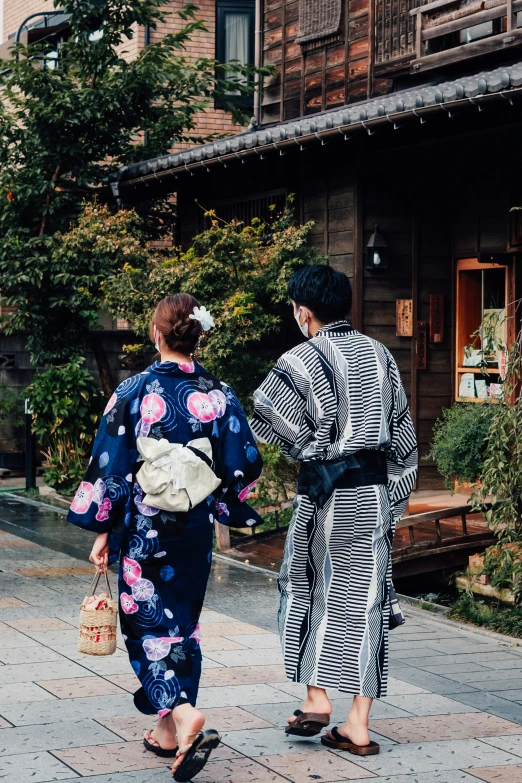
(313,326)
(174,356)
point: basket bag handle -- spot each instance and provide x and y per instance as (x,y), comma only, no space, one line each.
(96,579)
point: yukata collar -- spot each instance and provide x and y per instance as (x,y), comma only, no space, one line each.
(336,328)
(174,368)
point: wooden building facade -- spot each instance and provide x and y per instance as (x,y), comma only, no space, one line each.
(385,125)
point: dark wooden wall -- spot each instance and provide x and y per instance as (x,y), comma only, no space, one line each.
(430,215)
(306,82)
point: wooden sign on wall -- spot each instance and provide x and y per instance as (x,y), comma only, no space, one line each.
(422,345)
(404,317)
(436,318)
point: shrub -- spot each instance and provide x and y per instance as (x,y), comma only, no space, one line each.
(459,441)
(12,413)
(66,405)
(240,273)
(506,620)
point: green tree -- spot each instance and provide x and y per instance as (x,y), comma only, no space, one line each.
(240,273)
(65,127)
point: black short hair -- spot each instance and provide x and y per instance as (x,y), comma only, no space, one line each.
(326,292)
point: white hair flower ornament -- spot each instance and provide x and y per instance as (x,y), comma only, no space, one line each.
(202,315)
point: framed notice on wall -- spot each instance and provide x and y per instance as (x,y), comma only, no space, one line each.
(404,317)
(436,318)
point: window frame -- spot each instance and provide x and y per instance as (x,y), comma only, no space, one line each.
(222,8)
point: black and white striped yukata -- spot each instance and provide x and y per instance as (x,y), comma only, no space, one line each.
(333,395)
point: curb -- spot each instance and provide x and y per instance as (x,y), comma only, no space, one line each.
(37,503)
(427,616)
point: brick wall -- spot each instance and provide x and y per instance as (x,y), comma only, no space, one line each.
(15,11)
(202,45)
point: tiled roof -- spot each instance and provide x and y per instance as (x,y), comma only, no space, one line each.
(393,108)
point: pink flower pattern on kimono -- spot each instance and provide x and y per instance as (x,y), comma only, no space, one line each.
(197,634)
(127,603)
(103,510)
(172,639)
(110,405)
(156,649)
(130,571)
(186,366)
(83,498)
(222,508)
(142,590)
(200,405)
(152,408)
(219,402)
(246,491)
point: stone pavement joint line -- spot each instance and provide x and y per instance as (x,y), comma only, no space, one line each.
(453,713)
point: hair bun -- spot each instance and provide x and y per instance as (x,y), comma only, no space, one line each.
(185,330)
(171,319)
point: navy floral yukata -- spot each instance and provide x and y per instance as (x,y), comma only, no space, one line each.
(165,557)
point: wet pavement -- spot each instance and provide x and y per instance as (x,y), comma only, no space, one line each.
(453,712)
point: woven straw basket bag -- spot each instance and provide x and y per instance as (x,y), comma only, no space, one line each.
(98,621)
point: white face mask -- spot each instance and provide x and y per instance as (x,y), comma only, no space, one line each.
(302,328)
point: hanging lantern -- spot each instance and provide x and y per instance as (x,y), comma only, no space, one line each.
(377,251)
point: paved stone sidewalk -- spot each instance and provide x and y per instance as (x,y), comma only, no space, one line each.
(453,713)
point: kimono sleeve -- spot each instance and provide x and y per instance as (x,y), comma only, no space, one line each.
(402,454)
(280,406)
(238,464)
(99,503)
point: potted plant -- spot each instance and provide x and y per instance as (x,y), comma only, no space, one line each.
(459,443)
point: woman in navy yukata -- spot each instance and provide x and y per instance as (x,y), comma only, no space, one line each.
(165,557)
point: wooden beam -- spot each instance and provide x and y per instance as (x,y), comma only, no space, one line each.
(500,42)
(222,536)
(371,62)
(358,259)
(415,298)
(426,9)
(466,21)
(432,516)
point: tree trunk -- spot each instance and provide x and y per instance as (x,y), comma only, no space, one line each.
(54,180)
(106,379)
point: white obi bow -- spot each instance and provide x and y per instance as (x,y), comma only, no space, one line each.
(173,476)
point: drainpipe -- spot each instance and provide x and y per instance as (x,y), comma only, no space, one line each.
(258,56)
(147,42)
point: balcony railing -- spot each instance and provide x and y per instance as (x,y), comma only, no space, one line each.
(421,36)
(448,31)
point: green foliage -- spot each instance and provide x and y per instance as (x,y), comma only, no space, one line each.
(459,441)
(507,620)
(66,406)
(12,413)
(66,130)
(240,273)
(502,470)
(503,564)
(11,407)
(279,480)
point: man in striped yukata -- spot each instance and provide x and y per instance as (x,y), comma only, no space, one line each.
(336,404)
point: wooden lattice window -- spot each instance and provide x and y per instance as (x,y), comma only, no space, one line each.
(394,29)
(258,206)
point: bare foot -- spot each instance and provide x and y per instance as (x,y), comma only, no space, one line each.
(164,735)
(356,732)
(188,722)
(316,702)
